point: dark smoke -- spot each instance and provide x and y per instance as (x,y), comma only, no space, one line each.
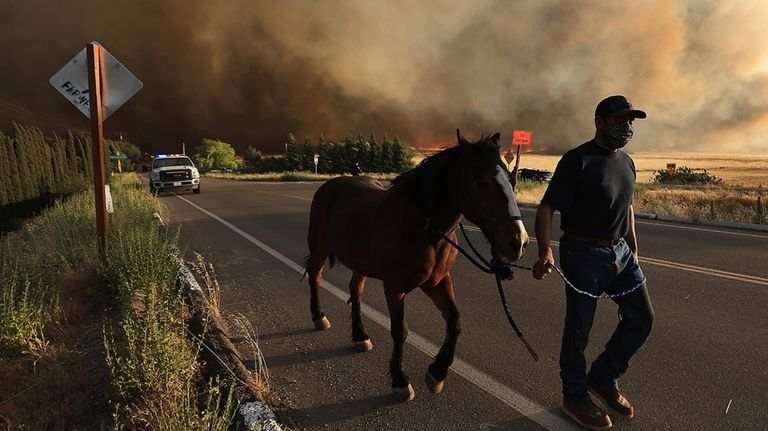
(250,72)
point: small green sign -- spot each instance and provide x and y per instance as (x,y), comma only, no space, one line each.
(118,156)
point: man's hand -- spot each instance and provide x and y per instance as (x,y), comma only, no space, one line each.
(543,266)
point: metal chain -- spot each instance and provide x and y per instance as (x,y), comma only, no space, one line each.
(493,269)
(591,295)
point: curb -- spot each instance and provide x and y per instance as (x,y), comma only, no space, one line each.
(221,357)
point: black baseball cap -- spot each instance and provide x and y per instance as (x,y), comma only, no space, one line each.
(616,106)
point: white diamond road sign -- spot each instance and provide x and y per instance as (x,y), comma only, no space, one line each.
(118,83)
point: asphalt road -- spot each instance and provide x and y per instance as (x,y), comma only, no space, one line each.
(704,367)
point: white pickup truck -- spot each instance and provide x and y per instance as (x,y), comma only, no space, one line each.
(173,172)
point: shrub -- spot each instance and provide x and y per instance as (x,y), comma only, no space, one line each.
(685,175)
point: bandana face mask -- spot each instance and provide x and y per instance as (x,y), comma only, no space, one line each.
(619,135)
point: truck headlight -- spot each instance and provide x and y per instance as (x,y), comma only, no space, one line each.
(155,176)
(195,173)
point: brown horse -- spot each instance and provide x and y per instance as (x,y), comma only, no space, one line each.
(393,234)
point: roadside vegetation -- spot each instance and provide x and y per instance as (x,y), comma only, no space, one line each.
(150,353)
(685,175)
(290,176)
(335,158)
(38,169)
(693,202)
(101,342)
(697,203)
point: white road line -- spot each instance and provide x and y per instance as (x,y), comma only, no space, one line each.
(672,226)
(519,402)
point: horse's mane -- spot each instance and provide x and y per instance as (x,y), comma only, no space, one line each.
(424,180)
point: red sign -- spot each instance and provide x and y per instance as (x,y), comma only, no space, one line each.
(521,137)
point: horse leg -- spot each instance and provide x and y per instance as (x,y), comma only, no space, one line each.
(401,388)
(443,296)
(359,336)
(315,274)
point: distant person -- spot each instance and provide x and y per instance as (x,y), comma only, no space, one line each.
(356,169)
(592,187)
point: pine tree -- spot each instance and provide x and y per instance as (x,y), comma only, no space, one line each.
(308,156)
(348,154)
(21,150)
(362,151)
(71,154)
(88,147)
(385,161)
(60,152)
(336,158)
(15,192)
(402,154)
(84,157)
(5,185)
(8,197)
(373,153)
(46,158)
(322,151)
(292,154)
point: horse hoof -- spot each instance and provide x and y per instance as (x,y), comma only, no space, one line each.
(322,324)
(403,394)
(364,346)
(434,385)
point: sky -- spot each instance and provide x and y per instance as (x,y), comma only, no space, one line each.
(250,71)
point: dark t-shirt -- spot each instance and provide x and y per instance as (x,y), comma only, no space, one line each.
(593,188)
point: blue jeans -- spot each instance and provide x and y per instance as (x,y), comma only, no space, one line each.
(597,269)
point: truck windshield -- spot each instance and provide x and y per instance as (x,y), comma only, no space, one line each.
(179,161)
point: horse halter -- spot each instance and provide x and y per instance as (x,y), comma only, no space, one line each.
(515,216)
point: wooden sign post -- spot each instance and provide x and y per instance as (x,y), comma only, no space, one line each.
(519,138)
(95,67)
(97,84)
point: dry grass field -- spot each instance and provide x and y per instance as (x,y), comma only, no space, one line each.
(735,169)
(740,197)
(744,176)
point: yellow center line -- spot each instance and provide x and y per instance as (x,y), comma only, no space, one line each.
(649,260)
(682,266)
(694,268)
(285,195)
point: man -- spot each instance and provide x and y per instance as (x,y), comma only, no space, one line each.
(592,188)
(356,169)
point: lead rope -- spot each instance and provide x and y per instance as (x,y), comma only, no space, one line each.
(557,269)
(500,271)
(591,295)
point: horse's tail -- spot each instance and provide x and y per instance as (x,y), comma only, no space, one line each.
(318,224)
(306,267)
(331,263)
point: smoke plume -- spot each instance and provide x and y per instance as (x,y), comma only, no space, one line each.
(249,72)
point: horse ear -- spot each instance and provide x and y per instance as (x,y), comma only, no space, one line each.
(496,138)
(460,139)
